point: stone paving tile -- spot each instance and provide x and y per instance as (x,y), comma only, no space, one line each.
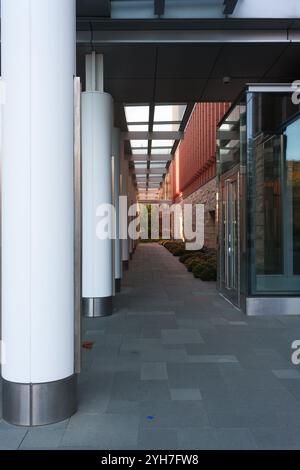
(102,431)
(46,437)
(181,336)
(158,439)
(172,414)
(281,437)
(176,366)
(185,394)
(11,437)
(154,371)
(213,359)
(287,374)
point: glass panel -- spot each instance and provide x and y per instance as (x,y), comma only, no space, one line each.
(166,127)
(169,113)
(137,114)
(139,143)
(138,128)
(158,165)
(274,159)
(269,252)
(229,144)
(165,151)
(292,137)
(162,143)
(139,151)
(140,165)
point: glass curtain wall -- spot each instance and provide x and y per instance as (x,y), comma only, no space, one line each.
(273,134)
(259,197)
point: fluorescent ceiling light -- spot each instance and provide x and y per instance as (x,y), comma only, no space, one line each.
(173,112)
(139,143)
(166,127)
(137,113)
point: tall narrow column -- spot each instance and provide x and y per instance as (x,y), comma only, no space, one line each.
(38,65)
(130,200)
(116,144)
(97,251)
(124,209)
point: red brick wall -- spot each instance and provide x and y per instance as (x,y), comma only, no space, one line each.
(195,162)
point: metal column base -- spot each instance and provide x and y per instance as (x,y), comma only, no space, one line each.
(118,285)
(125,265)
(97,307)
(39,404)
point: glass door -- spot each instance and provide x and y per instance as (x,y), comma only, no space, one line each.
(230,262)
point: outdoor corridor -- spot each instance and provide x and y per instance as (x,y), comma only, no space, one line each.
(177,366)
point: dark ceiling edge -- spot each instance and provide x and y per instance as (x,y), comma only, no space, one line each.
(189,24)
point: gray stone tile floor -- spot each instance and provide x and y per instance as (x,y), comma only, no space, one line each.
(177,367)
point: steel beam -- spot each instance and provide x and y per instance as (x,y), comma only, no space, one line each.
(187,36)
(171,135)
(155,201)
(150,158)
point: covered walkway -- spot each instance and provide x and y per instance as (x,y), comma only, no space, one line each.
(177,367)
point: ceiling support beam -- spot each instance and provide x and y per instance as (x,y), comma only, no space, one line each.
(187,36)
(149,158)
(155,201)
(171,135)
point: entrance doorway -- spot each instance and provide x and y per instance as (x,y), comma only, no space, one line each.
(230,253)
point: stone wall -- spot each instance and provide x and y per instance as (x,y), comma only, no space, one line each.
(206,195)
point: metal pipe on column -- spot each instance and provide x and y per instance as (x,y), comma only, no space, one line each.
(116,144)
(97,251)
(38,370)
(130,200)
(124,210)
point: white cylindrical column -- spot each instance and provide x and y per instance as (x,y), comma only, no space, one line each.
(124,210)
(97,252)
(116,144)
(38,66)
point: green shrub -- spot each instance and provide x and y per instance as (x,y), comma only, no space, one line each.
(187,255)
(206,271)
(193,263)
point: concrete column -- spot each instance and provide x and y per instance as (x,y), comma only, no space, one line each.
(38,66)
(97,252)
(116,145)
(124,210)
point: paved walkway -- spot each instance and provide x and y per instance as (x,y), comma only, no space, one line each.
(177,367)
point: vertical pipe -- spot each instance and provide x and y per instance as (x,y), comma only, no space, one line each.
(116,144)
(124,210)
